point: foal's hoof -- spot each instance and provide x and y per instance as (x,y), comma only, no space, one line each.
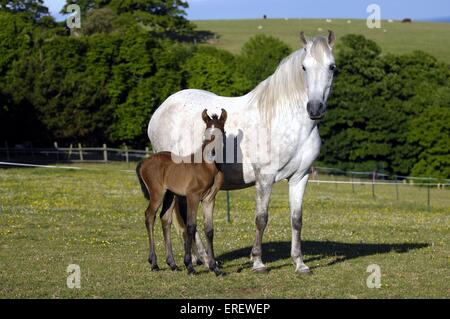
(219,273)
(191,272)
(199,262)
(155,268)
(260,270)
(174,268)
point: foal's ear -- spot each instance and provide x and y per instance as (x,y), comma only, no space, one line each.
(331,38)
(223,116)
(205,116)
(303,38)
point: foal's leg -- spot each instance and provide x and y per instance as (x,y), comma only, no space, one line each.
(263,190)
(150,214)
(191,226)
(208,210)
(166,221)
(199,254)
(297,186)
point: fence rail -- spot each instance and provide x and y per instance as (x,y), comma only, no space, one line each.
(80,153)
(72,153)
(44,157)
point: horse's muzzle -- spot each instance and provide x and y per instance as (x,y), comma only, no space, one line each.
(316,109)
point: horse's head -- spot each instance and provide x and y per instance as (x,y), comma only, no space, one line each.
(215,124)
(318,69)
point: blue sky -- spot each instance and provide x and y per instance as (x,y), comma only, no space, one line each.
(238,9)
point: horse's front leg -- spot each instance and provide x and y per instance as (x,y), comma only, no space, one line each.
(263,186)
(208,209)
(297,186)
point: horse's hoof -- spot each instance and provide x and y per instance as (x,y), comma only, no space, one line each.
(155,268)
(304,272)
(260,270)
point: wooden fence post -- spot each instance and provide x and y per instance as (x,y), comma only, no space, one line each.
(228,207)
(127,156)
(397,194)
(105,153)
(80,151)
(55,144)
(353,184)
(373,183)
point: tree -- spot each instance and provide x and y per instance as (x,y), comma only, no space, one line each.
(215,70)
(86,6)
(145,73)
(260,57)
(429,132)
(34,8)
(374,98)
(166,17)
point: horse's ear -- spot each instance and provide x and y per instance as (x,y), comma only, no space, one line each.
(331,38)
(205,116)
(303,38)
(223,116)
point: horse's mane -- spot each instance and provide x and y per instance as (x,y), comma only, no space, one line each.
(284,90)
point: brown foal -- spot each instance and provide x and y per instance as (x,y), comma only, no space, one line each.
(161,179)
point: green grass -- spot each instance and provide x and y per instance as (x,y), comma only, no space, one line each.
(52,218)
(398,38)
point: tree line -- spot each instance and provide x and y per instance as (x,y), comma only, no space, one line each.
(102,83)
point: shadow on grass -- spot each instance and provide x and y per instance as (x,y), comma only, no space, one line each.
(280,250)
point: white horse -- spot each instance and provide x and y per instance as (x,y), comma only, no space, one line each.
(276,128)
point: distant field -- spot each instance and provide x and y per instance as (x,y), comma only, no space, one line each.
(95,219)
(433,38)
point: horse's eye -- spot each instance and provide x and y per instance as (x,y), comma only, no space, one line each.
(303,67)
(332,67)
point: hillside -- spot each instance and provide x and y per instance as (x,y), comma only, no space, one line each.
(394,37)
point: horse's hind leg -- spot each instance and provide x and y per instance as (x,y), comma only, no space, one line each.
(150,215)
(166,221)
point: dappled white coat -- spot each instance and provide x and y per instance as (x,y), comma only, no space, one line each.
(276,107)
(278,138)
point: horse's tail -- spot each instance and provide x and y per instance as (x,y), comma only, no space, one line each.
(141,181)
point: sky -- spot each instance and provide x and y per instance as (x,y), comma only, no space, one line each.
(356,9)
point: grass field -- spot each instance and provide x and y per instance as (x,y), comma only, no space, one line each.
(395,37)
(52,218)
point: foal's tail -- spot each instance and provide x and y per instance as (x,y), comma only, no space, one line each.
(141,181)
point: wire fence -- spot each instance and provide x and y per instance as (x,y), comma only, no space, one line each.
(71,154)
(44,157)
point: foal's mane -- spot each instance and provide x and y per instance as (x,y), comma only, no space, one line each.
(285,90)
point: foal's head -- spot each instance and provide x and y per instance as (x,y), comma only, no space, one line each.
(214,124)
(215,127)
